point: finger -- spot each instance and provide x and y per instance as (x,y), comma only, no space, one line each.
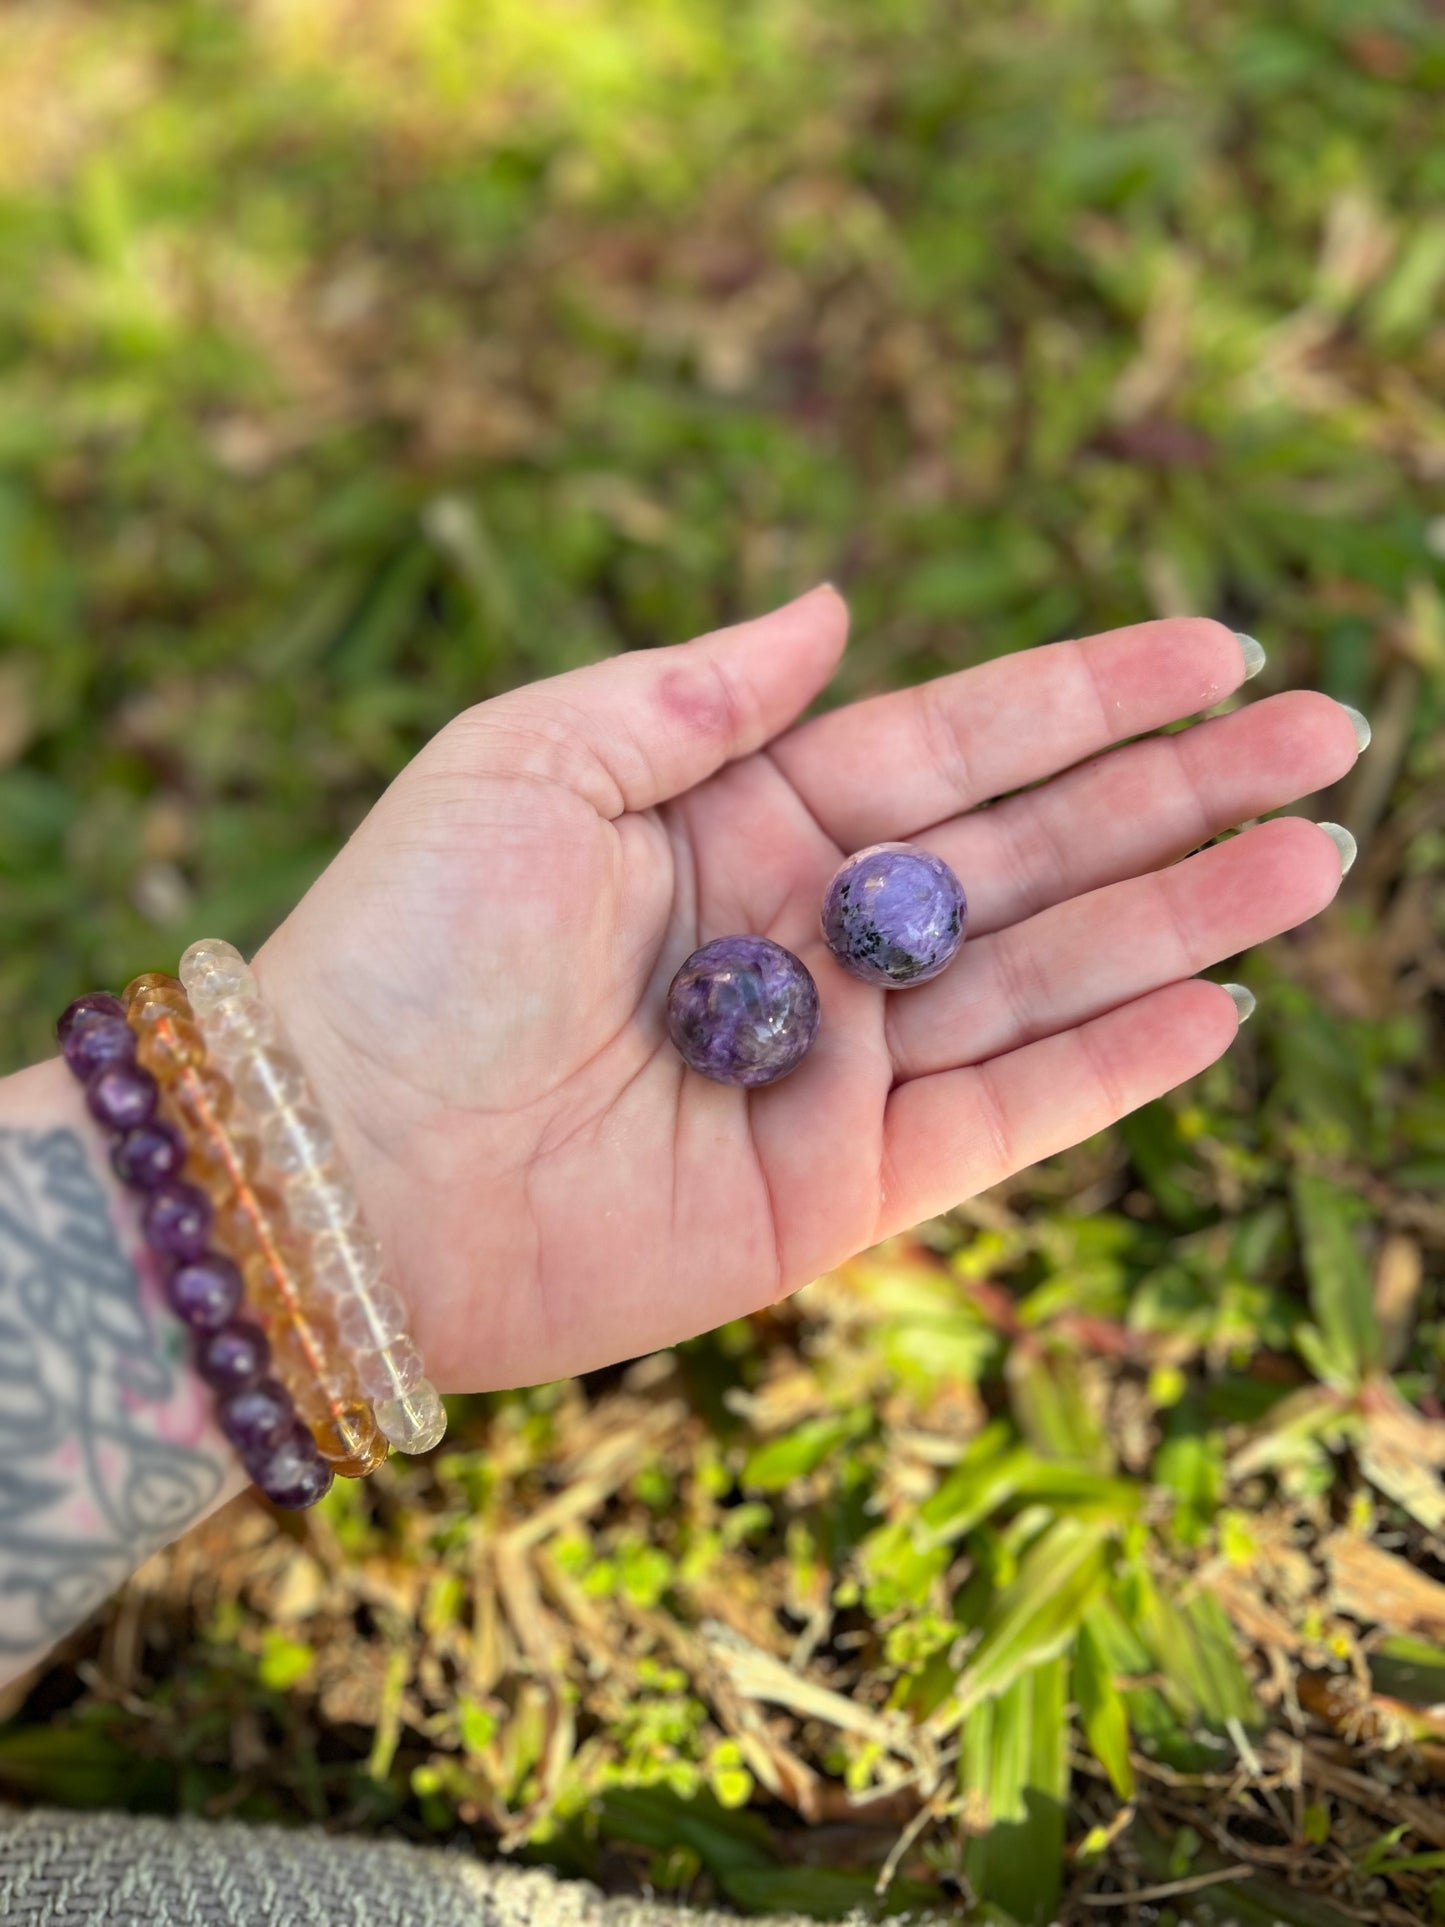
(953,1134)
(1143,806)
(1093,953)
(633,731)
(895,764)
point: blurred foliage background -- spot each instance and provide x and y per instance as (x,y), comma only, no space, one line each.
(360,360)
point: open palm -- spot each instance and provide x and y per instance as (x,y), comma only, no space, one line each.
(478,982)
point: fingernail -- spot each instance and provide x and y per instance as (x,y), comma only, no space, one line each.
(1360,723)
(1253,654)
(1344,843)
(1244,1000)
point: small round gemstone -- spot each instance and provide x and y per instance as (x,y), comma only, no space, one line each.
(200,1093)
(121,1097)
(742,1010)
(258,1418)
(386,1371)
(293,1139)
(270,1079)
(234,1357)
(292,1474)
(207,1292)
(894,915)
(371,1318)
(212,971)
(84,1010)
(148,1155)
(415,1422)
(239,1024)
(321,1200)
(177,1220)
(166,1048)
(345,1260)
(98,1043)
(350,1441)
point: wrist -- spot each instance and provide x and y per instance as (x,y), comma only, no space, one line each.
(113,1427)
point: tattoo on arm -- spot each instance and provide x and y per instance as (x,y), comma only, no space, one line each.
(104,1454)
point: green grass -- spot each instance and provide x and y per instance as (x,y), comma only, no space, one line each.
(350,373)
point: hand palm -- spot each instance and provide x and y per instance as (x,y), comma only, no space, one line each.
(479,981)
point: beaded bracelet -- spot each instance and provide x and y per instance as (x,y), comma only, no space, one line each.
(299,1152)
(203,1286)
(252,1227)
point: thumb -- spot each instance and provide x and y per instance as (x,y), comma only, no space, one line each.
(637,729)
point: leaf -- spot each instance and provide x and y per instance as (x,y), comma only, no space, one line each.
(1014,1776)
(1102,1711)
(1341,1291)
(1156,1720)
(980,1486)
(1034,1618)
(772,1466)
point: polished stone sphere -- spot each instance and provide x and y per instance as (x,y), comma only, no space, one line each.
(743,1010)
(894,915)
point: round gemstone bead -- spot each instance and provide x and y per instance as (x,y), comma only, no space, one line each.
(170,1047)
(894,915)
(293,1139)
(742,1010)
(239,1024)
(234,1357)
(212,970)
(346,1260)
(258,1418)
(200,1094)
(298,1358)
(321,1200)
(98,1043)
(153,996)
(148,1155)
(121,1097)
(371,1319)
(385,1371)
(292,1474)
(216,1160)
(270,1079)
(84,1010)
(415,1422)
(206,1292)
(177,1220)
(351,1441)
(319,1399)
(238,1230)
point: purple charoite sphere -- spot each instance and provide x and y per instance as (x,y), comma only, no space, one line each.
(894,915)
(742,1010)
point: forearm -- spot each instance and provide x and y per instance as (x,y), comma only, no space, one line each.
(109,1446)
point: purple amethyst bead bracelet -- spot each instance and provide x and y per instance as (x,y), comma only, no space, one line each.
(744,1011)
(203,1287)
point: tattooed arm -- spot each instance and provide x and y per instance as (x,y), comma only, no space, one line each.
(107,1447)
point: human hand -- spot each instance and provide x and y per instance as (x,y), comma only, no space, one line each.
(477,983)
